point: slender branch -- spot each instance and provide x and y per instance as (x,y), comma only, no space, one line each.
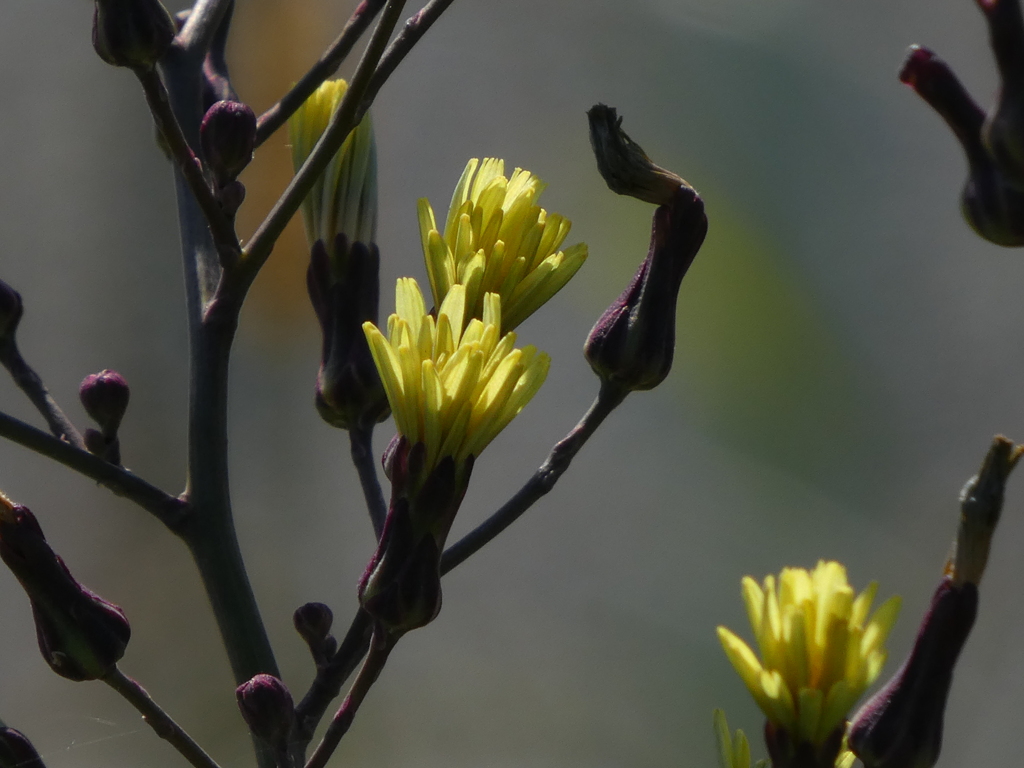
(158,720)
(362,457)
(220,225)
(329,679)
(380,648)
(543,480)
(166,508)
(31,384)
(328,64)
(201,25)
(350,111)
(414,29)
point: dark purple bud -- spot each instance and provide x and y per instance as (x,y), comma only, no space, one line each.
(81,635)
(1003,132)
(16,751)
(313,623)
(11,310)
(228,138)
(632,344)
(785,752)
(267,707)
(132,33)
(901,725)
(992,201)
(345,293)
(105,398)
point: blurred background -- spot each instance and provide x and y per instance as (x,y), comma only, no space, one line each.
(847,349)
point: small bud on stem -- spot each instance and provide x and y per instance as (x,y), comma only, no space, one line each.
(132,33)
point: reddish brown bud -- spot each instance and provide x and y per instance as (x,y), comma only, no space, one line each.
(266,705)
(313,623)
(228,138)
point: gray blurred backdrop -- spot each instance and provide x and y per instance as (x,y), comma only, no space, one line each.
(847,349)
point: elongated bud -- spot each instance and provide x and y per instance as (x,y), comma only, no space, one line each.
(228,138)
(266,705)
(16,751)
(345,293)
(1003,132)
(313,623)
(132,33)
(11,310)
(992,201)
(901,725)
(81,635)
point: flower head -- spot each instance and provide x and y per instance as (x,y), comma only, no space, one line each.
(496,239)
(819,648)
(452,386)
(344,198)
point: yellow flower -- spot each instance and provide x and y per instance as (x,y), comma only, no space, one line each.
(451,389)
(344,198)
(819,649)
(498,240)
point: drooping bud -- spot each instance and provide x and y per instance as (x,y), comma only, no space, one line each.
(132,33)
(81,635)
(345,293)
(901,725)
(266,705)
(11,310)
(992,200)
(16,751)
(228,138)
(313,623)
(1003,132)
(632,344)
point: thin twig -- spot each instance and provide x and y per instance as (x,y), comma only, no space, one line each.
(329,679)
(201,25)
(158,720)
(411,33)
(350,112)
(543,480)
(328,64)
(32,385)
(221,228)
(362,457)
(380,648)
(166,508)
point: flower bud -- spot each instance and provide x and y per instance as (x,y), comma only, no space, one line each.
(901,725)
(104,396)
(81,635)
(228,138)
(992,200)
(632,344)
(132,33)
(345,293)
(267,708)
(11,310)
(16,751)
(313,623)
(1003,133)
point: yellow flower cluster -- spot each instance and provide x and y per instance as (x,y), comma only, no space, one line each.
(819,648)
(498,240)
(455,382)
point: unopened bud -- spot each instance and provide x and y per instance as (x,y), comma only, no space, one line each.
(81,635)
(16,751)
(901,725)
(266,705)
(132,33)
(228,138)
(992,200)
(313,623)
(345,293)
(105,398)
(11,310)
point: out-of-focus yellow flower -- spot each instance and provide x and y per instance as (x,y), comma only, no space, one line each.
(819,649)
(451,389)
(344,198)
(498,240)
(846,759)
